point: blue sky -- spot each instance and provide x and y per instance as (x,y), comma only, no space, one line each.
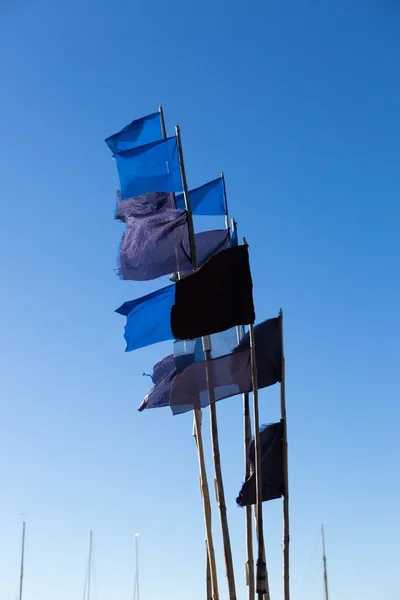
(298,103)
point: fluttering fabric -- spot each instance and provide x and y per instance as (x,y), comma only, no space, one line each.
(148,318)
(149,168)
(234,238)
(208,199)
(139,132)
(230,374)
(218,296)
(158,244)
(163,374)
(185,354)
(273,483)
(143,205)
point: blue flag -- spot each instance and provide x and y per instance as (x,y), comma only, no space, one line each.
(234,239)
(139,132)
(148,318)
(150,168)
(207,200)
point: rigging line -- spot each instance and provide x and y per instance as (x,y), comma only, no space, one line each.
(94,576)
(318,572)
(86,578)
(311,562)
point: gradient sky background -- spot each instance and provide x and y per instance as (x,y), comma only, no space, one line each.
(298,103)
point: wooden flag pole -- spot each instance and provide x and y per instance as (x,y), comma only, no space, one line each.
(262,586)
(286,534)
(247,467)
(162,122)
(226,204)
(208,576)
(219,484)
(218,480)
(205,493)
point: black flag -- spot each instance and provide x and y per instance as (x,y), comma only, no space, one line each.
(273,484)
(216,297)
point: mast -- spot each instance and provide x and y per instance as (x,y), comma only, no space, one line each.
(89,564)
(136,595)
(22,561)
(324,561)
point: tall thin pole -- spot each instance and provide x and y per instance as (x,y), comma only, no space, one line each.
(208,577)
(247,471)
(89,564)
(226,203)
(218,480)
(137,567)
(262,586)
(219,484)
(162,122)
(21,580)
(197,415)
(286,533)
(324,560)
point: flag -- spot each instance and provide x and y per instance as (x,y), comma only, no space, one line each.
(185,353)
(163,374)
(139,132)
(230,374)
(216,297)
(208,199)
(273,482)
(150,168)
(234,238)
(158,244)
(148,318)
(143,205)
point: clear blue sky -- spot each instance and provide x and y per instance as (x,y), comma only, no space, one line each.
(298,103)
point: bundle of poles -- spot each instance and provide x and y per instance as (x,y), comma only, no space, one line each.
(256,579)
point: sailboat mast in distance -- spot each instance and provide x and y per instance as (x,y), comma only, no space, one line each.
(324,561)
(90,564)
(136,587)
(22,561)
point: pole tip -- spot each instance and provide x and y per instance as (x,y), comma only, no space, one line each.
(160,108)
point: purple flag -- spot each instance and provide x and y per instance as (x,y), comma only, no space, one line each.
(158,244)
(230,374)
(143,205)
(227,375)
(163,374)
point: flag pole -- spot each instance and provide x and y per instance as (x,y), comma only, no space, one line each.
(218,480)
(286,534)
(262,586)
(162,122)
(219,484)
(208,576)
(21,580)
(226,204)
(197,415)
(247,466)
